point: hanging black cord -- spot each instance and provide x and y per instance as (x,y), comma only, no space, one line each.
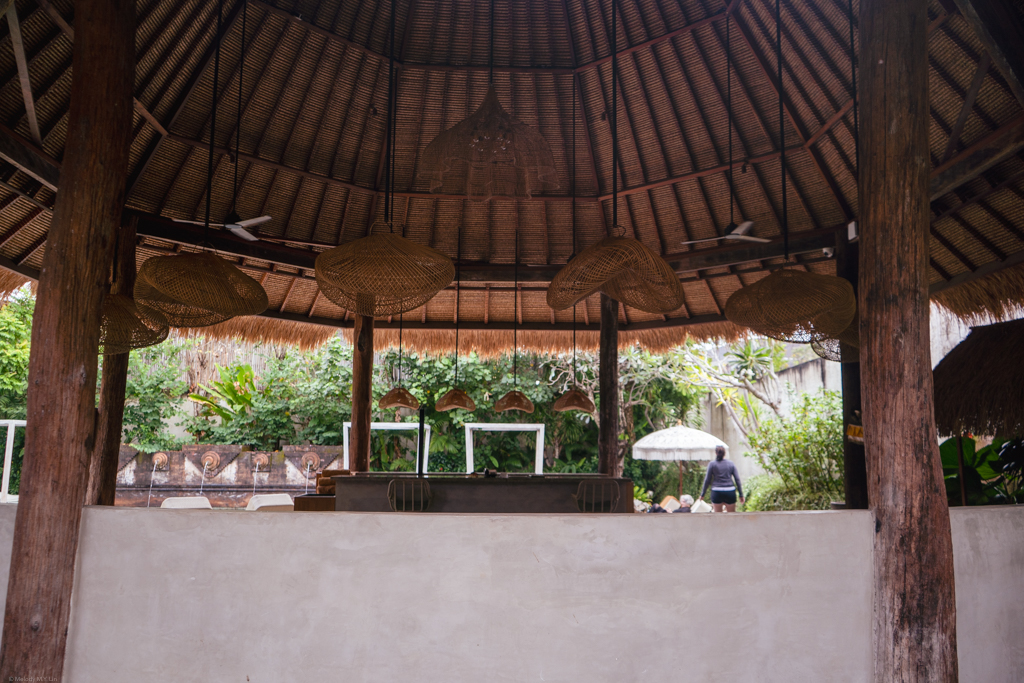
(515,314)
(615,123)
(782,130)
(574,223)
(238,121)
(458,292)
(853,79)
(213,121)
(387,133)
(394,118)
(490,58)
(399,349)
(728,90)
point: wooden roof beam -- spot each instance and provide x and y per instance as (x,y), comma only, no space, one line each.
(29,158)
(18,46)
(995,147)
(999,29)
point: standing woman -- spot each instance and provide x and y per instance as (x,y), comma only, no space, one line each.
(721,475)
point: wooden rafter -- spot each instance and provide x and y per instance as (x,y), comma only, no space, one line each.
(18,45)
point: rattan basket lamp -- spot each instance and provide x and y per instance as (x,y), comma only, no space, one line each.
(621,267)
(383,273)
(573,399)
(515,399)
(456,397)
(199,289)
(490,153)
(126,325)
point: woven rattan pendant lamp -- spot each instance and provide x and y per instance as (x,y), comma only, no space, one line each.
(125,327)
(490,153)
(383,273)
(515,399)
(200,289)
(793,305)
(574,399)
(399,397)
(621,267)
(456,397)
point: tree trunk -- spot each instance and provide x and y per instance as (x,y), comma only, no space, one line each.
(855,474)
(103,467)
(362,394)
(65,339)
(914,610)
(609,460)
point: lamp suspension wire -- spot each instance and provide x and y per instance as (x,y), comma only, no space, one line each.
(490,58)
(458,293)
(213,118)
(728,90)
(515,312)
(782,129)
(615,121)
(853,79)
(389,123)
(573,189)
(238,121)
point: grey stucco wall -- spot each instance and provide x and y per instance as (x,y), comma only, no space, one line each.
(232,596)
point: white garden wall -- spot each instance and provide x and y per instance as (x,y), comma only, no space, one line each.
(233,596)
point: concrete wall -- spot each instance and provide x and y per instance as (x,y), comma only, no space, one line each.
(233,596)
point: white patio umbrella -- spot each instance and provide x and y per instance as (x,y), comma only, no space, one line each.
(678,444)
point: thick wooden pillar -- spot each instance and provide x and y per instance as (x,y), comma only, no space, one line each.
(103,468)
(855,474)
(362,394)
(65,338)
(914,606)
(608,460)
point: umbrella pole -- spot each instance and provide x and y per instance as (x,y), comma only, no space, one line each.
(680,463)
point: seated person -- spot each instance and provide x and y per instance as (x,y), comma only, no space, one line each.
(685,503)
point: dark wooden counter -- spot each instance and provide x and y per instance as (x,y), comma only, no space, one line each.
(516,493)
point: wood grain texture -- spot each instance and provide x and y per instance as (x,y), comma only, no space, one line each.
(65,338)
(609,459)
(914,610)
(103,467)
(362,395)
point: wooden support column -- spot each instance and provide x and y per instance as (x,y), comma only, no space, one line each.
(65,339)
(362,394)
(914,607)
(608,459)
(855,475)
(103,467)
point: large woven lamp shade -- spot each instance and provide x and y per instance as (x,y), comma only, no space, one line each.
(624,269)
(382,274)
(198,290)
(456,398)
(794,306)
(513,400)
(489,154)
(125,327)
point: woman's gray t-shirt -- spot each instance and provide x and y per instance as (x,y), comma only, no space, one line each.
(720,476)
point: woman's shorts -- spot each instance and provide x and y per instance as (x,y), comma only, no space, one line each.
(723,497)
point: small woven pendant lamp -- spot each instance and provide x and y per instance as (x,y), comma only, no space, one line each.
(399,397)
(490,153)
(515,399)
(125,327)
(574,399)
(197,290)
(794,306)
(844,349)
(456,398)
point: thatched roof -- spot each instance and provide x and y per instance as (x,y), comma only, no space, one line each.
(979,385)
(313,94)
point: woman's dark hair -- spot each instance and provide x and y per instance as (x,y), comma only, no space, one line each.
(719,452)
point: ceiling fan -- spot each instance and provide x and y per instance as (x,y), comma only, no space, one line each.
(735,232)
(235,224)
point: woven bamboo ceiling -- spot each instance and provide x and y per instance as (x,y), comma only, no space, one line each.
(313,98)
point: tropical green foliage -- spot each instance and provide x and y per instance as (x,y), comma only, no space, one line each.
(153,394)
(991,474)
(802,454)
(15,337)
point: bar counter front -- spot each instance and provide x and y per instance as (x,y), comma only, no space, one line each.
(487,493)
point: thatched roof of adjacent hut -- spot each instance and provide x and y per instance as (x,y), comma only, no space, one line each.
(313,92)
(979,385)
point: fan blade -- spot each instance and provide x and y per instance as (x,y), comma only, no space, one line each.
(243,233)
(252,222)
(707,239)
(182,220)
(743,228)
(747,238)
